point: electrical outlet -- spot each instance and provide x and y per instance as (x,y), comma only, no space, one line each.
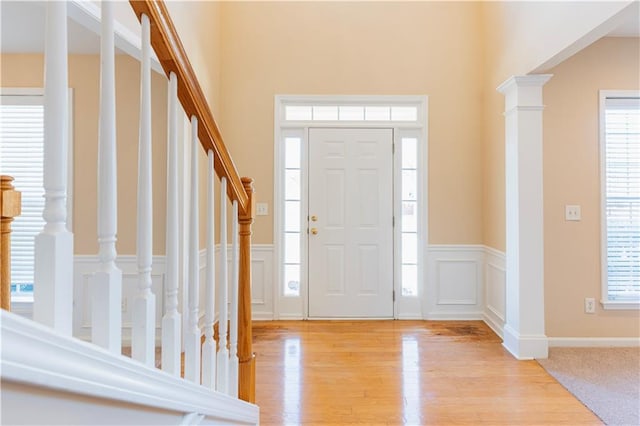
(572,212)
(124,305)
(589,305)
(262,209)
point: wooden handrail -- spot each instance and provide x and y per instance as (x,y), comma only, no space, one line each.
(10,207)
(171,54)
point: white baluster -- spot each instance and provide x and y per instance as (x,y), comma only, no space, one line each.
(54,245)
(223,283)
(233,327)
(106,283)
(171,322)
(192,335)
(209,347)
(143,332)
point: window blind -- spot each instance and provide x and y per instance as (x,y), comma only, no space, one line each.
(21,156)
(622,198)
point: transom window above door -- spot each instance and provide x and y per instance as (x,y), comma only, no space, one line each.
(351,113)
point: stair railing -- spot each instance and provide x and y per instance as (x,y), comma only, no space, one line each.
(163,37)
(226,366)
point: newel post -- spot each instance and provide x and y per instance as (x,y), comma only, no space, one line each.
(10,207)
(246,357)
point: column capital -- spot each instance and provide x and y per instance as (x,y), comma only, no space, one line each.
(523,91)
(518,81)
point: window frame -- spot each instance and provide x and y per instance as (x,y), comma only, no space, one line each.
(24,304)
(607,303)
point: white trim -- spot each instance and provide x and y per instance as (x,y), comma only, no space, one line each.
(620,305)
(594,342)
(494,290)
(294,307)
(604,283)
(455,316)
(525,347)
(497,327)
(81,368)
(88,14)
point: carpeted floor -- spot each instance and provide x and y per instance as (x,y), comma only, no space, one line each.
(606,380)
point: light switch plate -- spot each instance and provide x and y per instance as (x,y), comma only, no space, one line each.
(262,209)
(572,212)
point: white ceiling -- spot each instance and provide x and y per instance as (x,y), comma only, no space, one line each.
(18,15)
(15,16)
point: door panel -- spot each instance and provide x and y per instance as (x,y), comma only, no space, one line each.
(351,197)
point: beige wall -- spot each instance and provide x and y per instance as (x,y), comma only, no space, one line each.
(27,71)
(424,48)
(571,176)
(198,25)
(520,38)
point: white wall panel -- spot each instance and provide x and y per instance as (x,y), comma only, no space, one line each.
(495,308)
(455,286)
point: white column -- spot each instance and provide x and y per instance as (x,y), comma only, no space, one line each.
(233,322)
(192,335)
(223,283)
(106,283)
(171,321)
(209,346)
(54,245)
(144,313)
(524,332)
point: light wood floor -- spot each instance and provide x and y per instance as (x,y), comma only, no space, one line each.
(401,372)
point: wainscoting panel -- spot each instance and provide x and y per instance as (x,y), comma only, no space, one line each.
(454,284)
(85,266)
(495,290)
(262,281)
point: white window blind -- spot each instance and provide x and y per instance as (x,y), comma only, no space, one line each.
(21,156)
(621,174)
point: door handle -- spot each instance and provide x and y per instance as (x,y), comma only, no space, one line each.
(314,218)
(314,231)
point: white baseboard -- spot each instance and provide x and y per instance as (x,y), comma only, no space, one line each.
(593,342)
(525,347)
(454,316)
(494,325)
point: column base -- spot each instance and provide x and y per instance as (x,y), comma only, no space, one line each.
(525,347)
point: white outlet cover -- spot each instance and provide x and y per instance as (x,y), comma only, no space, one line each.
(572,212)
(262,209)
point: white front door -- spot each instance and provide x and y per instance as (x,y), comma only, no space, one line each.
(350,223)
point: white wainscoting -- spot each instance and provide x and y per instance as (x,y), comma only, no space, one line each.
(454,282)
(85,266)
(495,290)
(262,281)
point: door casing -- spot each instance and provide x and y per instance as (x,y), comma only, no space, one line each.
(288,307)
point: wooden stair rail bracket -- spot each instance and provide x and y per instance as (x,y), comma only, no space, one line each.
(10,207)
(246,357)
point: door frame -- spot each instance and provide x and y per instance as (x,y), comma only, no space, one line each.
(296,307)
